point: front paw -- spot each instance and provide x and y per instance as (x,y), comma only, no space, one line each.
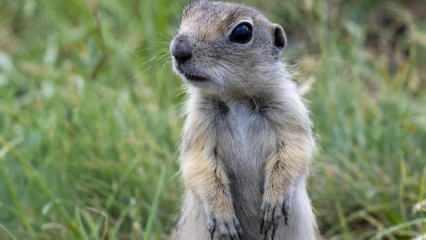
(224,227)
(274,209)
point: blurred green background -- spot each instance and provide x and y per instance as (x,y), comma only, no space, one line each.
(90,116)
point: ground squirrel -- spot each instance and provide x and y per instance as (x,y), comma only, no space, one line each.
(247,141)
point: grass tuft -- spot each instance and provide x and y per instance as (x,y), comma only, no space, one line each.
(90,116)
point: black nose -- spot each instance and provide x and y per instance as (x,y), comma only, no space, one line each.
(182,49)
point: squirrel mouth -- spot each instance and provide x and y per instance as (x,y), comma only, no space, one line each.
(194,77)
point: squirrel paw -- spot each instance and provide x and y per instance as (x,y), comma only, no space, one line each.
(272,212)
(224,228)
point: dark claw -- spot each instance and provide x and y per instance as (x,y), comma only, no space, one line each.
(264,224)
(271,218)
(274,230)
(237,226)
(238,229)
(268,218)
(234,233)
(285,210)
(228,231)
(212,227)
(224,229)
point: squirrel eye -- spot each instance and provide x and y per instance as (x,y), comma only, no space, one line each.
(242,33)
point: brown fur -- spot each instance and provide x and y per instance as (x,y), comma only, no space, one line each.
(247,141)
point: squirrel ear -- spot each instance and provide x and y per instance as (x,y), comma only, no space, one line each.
(279,36)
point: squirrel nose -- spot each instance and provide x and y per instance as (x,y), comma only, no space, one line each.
(182,49)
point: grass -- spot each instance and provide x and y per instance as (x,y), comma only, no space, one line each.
(90,116)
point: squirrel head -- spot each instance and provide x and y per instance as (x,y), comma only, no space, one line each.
(225,47)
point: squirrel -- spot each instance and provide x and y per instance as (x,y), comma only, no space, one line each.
(247,140)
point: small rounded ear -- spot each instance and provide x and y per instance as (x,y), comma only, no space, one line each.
(279,37)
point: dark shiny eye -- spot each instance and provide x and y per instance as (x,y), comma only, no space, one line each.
(242,33)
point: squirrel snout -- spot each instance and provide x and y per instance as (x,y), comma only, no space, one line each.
(182,49)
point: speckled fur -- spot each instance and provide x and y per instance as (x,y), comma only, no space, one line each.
(247,141)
